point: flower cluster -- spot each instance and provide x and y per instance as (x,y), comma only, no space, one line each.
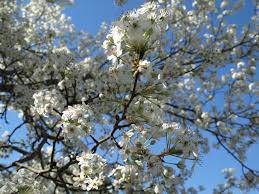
(76,121)
(46,101)
(128,176)
(91,172)
(136,32)
(183,141)
(177,76)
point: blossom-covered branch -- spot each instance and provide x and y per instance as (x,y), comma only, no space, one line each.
(132,109)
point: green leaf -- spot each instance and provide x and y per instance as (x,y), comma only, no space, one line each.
(148,33)
(25,189)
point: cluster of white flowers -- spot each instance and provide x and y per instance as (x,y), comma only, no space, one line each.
(76,121)
(128,176)
(148,110)
(183,141)
(170,68)
(204,120)
(144,66)
(136,31)
(91,175)
(247,181)
(169,127)
(24,181)
(121,73)
(46,101)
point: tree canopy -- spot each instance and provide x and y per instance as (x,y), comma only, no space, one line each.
(133,108)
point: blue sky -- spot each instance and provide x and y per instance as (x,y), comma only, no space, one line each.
(88,15)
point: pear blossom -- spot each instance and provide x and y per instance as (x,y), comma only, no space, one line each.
(92,167)
(76,121)
(132,109)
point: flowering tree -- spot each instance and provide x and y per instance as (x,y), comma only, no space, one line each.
(129,110)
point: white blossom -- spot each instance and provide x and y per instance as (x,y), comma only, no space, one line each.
(76,121)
